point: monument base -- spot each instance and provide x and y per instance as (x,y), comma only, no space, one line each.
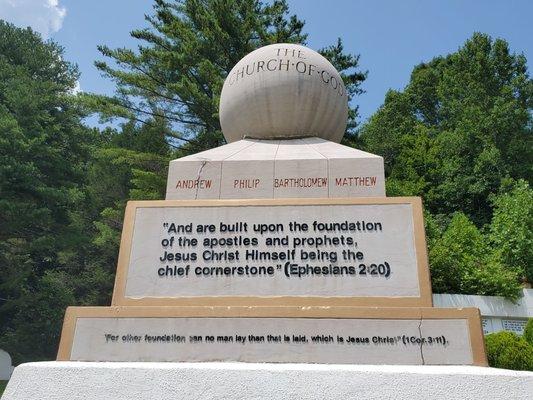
(126,381)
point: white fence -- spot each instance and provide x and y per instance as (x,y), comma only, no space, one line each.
(497,313)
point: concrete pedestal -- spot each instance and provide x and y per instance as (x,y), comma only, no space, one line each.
(275,169)
(162,381)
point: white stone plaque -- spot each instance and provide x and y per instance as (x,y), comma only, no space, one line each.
(297,248)
(295,340)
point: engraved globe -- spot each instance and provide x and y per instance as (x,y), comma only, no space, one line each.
(283,91)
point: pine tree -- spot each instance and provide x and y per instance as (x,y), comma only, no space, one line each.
(44,150)
(184,56)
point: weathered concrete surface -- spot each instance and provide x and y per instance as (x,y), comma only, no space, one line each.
(266,169)
(162,381)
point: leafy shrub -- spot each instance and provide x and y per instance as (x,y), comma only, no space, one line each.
(462,262)
(528,332)
(511,229)
(510,351)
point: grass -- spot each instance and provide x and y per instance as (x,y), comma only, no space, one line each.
(3,385)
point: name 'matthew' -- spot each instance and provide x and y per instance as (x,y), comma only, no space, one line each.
(356,181)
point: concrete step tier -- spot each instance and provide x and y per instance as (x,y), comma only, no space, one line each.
(240,381)
(266,169)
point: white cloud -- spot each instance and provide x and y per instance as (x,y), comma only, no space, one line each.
(44,16)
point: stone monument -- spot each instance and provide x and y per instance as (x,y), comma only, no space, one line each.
(275,268)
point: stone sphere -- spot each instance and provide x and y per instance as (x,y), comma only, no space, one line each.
(283,91)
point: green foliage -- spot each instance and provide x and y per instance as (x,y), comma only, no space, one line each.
(511,228)
(462,262)
(491,261)
(120,171)
(528,332)
(184,56)
(458,134)
(38,316)
(510,351)
(458,130)
(43,157)
(3,385)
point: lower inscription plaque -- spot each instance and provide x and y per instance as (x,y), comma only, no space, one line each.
(333,335)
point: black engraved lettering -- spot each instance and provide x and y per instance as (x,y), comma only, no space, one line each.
(268,65)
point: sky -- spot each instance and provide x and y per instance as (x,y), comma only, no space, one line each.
(390,36)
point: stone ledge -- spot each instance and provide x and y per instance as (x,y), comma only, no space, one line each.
(121,381)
